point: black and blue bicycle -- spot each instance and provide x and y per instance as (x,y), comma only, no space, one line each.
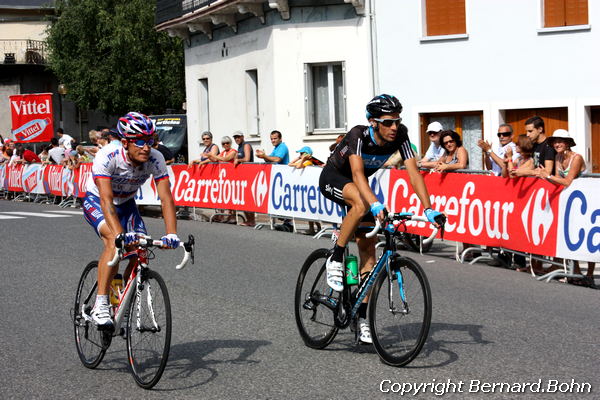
(399,308)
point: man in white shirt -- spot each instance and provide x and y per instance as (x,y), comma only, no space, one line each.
(436,150)
(64,140)
(56,154)
(494,160)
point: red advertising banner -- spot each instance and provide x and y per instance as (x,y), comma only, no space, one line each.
(14,177)
(53,179)
(32,117)
(81,176)
(244,188)
(518,214)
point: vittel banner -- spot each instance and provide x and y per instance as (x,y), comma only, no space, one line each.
(518,214)
(53,179)
(14,178)
(579,221)
(244,187)
(32,117)
(295,193)
(33,179)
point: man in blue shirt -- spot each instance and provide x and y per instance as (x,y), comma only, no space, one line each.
(280,153)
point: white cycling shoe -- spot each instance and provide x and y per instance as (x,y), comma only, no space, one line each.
(101,316)
(364,331)
(335,274)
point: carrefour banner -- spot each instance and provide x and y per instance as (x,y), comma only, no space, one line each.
(244,187)
(579,221)
(32,117)
(518,214)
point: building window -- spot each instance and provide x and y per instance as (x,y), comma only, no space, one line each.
(469,125)
(554,118)
(203,102)
(445,17)
(565,13)
(325,98)
(252,118)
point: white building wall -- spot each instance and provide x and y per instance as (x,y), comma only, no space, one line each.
(507,62)
(279,53)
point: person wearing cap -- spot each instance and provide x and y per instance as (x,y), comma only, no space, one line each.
(436,150)
(568,164)
(244,150)
(494,159)
(305,159)
(280,153)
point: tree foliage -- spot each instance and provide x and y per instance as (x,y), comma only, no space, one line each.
(111,58)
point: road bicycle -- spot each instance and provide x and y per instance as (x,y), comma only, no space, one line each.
(142,315)
(399,307)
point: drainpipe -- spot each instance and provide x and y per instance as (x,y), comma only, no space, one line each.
(373,49)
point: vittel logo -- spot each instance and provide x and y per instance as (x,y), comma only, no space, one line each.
(260,188)
(27,108)
(537,215)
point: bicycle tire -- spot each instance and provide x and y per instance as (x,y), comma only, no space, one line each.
(399,337)
(90,342)
(316,326)
(148,344)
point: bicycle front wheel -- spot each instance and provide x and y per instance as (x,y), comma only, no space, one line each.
(91,343)
(149,331)
(313,318)
(400,312)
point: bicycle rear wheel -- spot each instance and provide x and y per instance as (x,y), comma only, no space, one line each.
(149,331)
(313,318)
(91,343)
(400,312)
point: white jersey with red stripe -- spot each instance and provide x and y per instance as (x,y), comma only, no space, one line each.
(111,163)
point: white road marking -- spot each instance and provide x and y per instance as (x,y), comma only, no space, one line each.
(32,214)
(9,217)
(67,212)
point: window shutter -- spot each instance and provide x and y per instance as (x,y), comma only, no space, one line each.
(445,17)
(554,13)
(576,12)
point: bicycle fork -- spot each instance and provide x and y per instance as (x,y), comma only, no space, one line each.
(392,270)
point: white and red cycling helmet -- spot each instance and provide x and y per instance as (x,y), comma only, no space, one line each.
(135,125)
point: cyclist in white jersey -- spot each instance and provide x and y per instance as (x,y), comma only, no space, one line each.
(109,205)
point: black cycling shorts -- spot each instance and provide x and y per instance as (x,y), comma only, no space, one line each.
(331,184)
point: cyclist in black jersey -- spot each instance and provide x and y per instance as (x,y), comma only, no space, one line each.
(344,180)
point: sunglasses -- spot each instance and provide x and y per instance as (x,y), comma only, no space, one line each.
(505,134)
(142,142)
(388,122)
(449,141)
(224,143)
(433,133)
(205,138)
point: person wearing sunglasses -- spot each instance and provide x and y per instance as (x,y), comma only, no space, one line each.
(343,180)
(109,205)
(435,150)
(210,148)
(494,160)
(455,155)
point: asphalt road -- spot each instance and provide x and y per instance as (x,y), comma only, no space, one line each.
(234,334)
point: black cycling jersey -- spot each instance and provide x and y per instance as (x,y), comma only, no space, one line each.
(360,141)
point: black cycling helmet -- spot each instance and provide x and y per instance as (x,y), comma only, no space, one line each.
(383,104)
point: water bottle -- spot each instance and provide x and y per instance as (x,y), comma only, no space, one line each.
(351,270)
(115,289)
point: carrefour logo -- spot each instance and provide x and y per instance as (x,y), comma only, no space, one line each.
(260,188)
(537,217)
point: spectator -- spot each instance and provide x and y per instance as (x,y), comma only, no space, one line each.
(64,140)
(523,164)
(83,156)
(56,153)
(543,153)
(3,156)
(568,166)
(209,148)
(436,150)
(455,155)
(44,154)
(280,153)
(244,154)
(337,141)
(15,158)
(305,159)
(164,150)
(244,150)
(26,156)
(228,154)
(494,160)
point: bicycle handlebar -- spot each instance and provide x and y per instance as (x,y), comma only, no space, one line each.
(398,217)
(147,241)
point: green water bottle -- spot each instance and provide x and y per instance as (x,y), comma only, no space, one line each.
(351,270)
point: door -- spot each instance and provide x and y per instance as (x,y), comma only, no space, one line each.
(595,150)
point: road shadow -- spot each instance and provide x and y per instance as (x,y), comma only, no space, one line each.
(193,360)
(442,338)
